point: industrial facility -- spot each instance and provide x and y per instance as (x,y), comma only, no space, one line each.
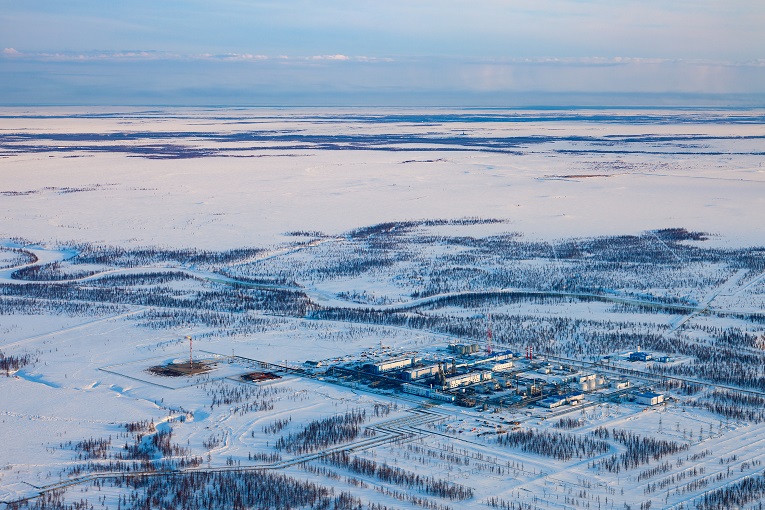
(472,375)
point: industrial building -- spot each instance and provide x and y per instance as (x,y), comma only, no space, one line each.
(649,398)
(466,379)
(413,374)
(427,392)
(501,366)
(589,382)
(640,356)
(500,356)
(391,364)
(558,400)
(552,402)
(464,349)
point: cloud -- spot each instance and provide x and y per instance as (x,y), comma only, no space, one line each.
(151,55)
(90,56)
(330,57)
(234,57)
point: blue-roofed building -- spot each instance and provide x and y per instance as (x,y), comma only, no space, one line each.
(649,398)
(640,356)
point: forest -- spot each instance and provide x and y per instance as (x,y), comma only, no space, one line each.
(574,300)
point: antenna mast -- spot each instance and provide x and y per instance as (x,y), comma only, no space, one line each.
(191,364)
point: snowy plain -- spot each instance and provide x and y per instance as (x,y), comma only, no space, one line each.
(297,188)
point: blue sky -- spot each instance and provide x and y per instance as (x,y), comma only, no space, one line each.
(410,52)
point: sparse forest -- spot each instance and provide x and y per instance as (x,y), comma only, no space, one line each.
(572,300)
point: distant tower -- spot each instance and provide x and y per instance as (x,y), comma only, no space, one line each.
(488,338)
(191,363)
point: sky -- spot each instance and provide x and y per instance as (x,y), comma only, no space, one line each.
(396,52)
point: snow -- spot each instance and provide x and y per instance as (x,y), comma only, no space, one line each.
(589,179)
(222,202)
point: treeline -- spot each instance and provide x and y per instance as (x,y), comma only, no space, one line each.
(554,444)
(406,227)
(590,264)
(229,324)
(399,477)
(33,306)
(135,427)
(118,257)
(265,280)
(495,502)
(222,393)
(93,448)
(674,480)
(320,434)
(276,426)
(143,443)
(733,405)
(125,257)
(14,362)
(50,272)
(132,466)
(148,278)
(552,335)
(358,261)
(241,300)
(447,456)
(264,457)
(231,490)
(735,495)
(149,451)
(158,443)
(640,450)
(20,257)
(383,409)
(568,423)
(745,372)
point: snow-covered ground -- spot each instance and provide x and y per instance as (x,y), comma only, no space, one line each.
(583,235)
(555,179)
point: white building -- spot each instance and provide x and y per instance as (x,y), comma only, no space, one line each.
(587,382)
(413,374)
(649,398)
(502,366)
(392,364)
(466,379)
(426,392)
(552,402)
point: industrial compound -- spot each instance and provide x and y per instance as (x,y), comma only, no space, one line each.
(473,375)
